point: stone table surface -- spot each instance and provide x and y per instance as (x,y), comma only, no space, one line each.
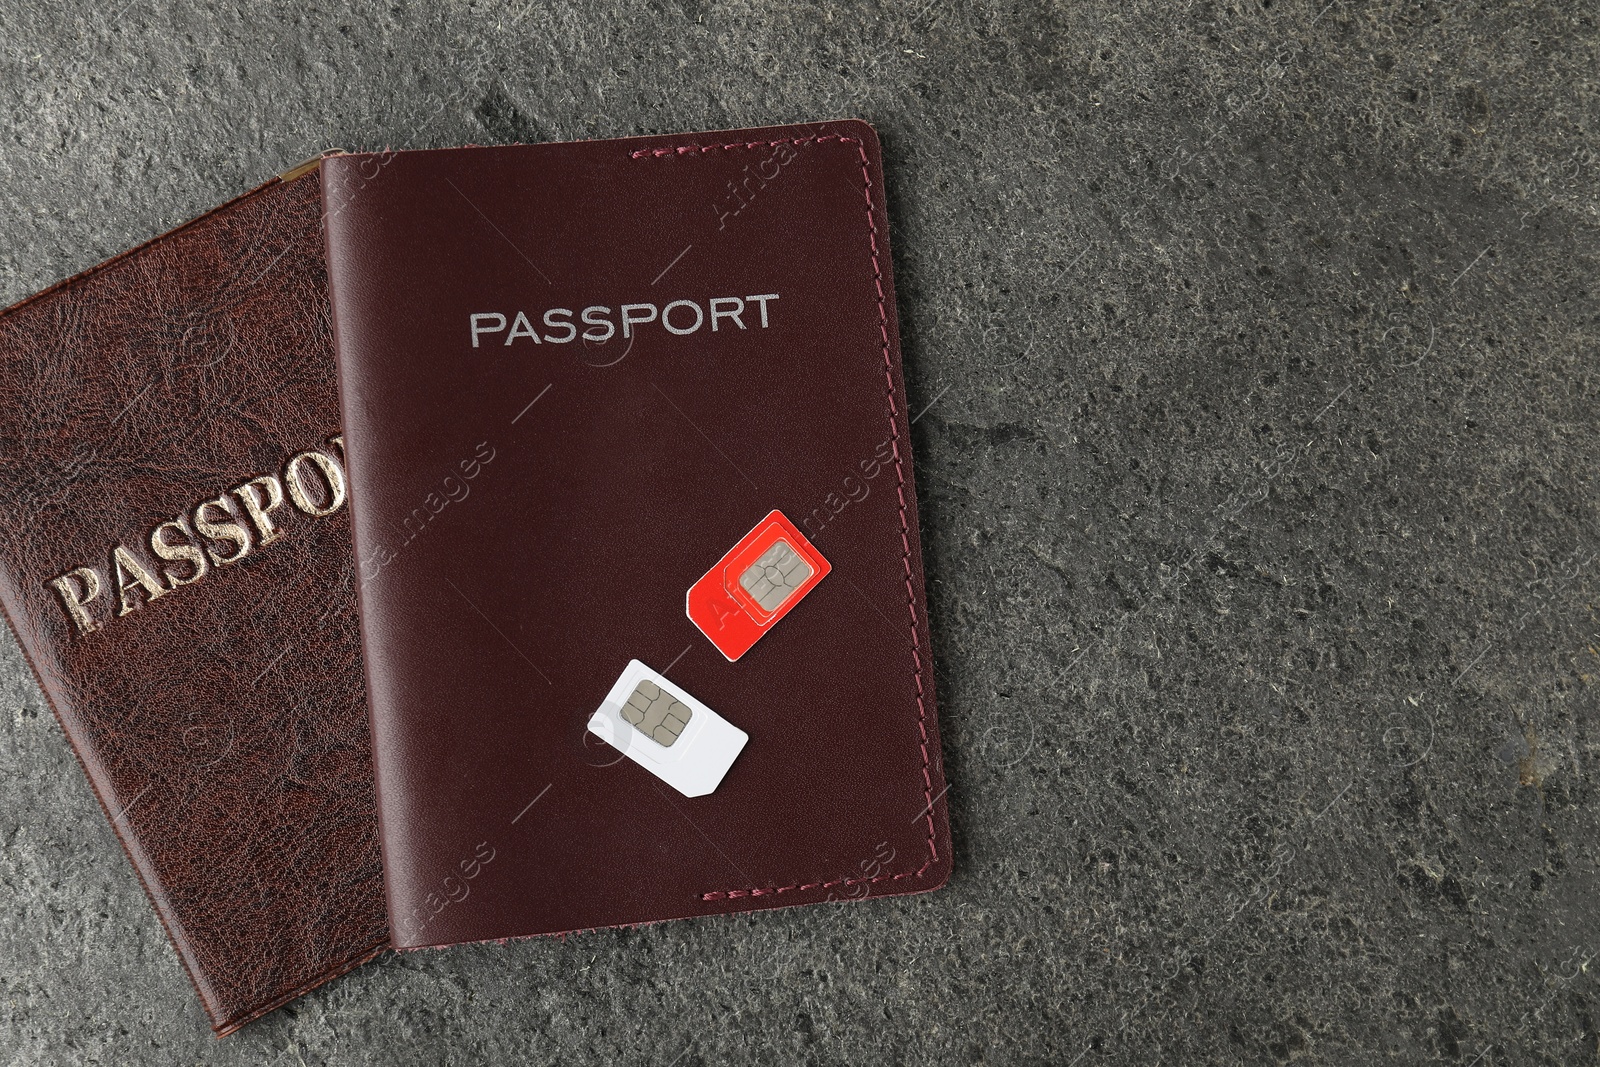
(1257,342)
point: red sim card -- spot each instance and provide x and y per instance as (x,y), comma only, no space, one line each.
(757,583)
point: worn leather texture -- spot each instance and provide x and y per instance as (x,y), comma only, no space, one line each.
(529,515)
(221,723)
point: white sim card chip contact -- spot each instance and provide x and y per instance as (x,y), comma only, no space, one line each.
(667,732)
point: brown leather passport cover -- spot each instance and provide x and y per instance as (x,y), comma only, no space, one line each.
(210,682)
(530,513)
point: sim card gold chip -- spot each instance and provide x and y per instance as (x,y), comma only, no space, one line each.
(656,714)
(775,576)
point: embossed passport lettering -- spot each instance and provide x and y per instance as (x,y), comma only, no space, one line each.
(175,562)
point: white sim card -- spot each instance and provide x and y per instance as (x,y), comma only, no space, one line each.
(667,732)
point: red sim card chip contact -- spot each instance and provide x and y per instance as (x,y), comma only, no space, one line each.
(757,583)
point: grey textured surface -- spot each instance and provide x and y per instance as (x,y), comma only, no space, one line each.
(1260,340)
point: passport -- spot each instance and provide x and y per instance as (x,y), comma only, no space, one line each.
(175,563)
(643,616)
(592,574)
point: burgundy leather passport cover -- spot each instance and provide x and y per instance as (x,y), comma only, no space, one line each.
(210,680)
(531,511)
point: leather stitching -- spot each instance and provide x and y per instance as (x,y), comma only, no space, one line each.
(900,479)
